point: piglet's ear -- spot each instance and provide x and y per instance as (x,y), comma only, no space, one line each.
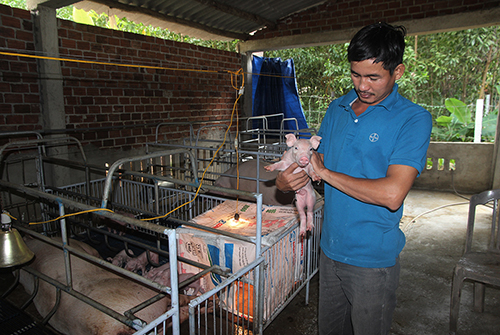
(290,139)
(315,141)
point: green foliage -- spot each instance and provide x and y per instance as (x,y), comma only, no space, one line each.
(65,13)
(81,16)
(459,125)
(454,63)
(459,110)
(416,74)
(15,3)
(490,126)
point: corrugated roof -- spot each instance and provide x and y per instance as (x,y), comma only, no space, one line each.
(205,19)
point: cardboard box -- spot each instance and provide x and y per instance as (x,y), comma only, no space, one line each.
(284,257)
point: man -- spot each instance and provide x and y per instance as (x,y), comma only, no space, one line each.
(374,145)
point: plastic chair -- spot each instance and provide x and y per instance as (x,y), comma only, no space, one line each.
(481,267)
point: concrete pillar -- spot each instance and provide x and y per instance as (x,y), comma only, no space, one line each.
(51,85)
(46,44)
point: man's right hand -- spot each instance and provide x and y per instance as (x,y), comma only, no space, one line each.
(288,181)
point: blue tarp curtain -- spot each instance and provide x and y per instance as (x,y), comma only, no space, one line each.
(274,90)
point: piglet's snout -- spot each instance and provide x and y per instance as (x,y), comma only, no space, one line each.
(303,161)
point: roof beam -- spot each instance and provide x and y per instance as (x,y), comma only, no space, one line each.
(238,13)
(297,41)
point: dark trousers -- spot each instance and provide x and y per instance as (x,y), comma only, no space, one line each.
(356,300)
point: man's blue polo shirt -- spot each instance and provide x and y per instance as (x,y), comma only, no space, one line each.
(395,131)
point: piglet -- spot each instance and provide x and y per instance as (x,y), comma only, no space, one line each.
(300,151)
(121,258)
(140,262)
(161,275)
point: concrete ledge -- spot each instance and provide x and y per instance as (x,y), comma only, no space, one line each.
(470,169)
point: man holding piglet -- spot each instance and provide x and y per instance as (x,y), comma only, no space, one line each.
(374,145)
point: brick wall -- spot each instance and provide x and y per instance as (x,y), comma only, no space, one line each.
(346,14)
(19,91)
(112,106)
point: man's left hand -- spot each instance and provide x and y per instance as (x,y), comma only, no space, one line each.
(317,163)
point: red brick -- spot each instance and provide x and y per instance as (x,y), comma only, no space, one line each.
(83,46)
(101,39)
(395,4)
(402,11)
(87,100)
(382,6)
(31,119)
(88,37)
(442,4)
(74,35)
(16,45)
(5,108)
(14,119)
(9,21)
(32,98)
(4,9)
(7,32)
(68,43)
(414,9)
(21,13)
(24,35)
(13,98)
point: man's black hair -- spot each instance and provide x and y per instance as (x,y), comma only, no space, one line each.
(380,41)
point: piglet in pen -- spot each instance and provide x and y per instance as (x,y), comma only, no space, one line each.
(300,151)
(157,273)
(161,275)
(121,258)
(140,262)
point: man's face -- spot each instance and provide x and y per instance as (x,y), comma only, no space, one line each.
(372,82)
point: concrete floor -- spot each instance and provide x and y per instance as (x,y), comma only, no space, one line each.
(435,241)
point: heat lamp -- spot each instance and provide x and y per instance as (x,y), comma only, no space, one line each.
(13,250)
